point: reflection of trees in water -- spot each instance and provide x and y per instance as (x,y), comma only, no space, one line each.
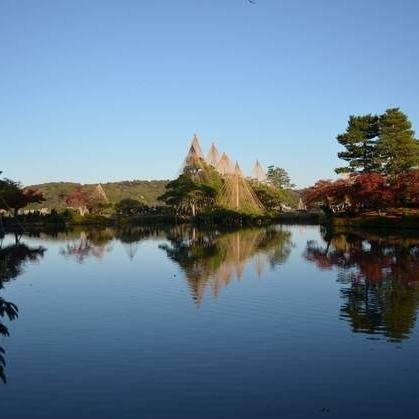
(90,243)
(87,243)
(12,260)
(131,236)
(9,310)
(380,274)
(210,259)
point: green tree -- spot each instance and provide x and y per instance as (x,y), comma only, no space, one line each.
(195,189)
(184,193)
(270,197)
(397,148)
(99,208)
(359,140)
(129,206)
(279,178)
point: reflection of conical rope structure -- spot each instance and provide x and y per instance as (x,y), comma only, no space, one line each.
(213,156)
(131,249)
(260,263)
(84,243)
(99,194)
(197,280)
(86,247)
(210,260)
(236,194)
(238,249)
(239,268)
(259,173)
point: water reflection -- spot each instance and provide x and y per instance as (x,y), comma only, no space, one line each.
(380,278)
(97,242)
(378,273)
(212,260)
(9,310)
(131,236)
(13,257)
(86,244)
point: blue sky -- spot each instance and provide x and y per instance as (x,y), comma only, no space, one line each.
(112,90)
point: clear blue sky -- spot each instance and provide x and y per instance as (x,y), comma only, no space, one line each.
(112,90)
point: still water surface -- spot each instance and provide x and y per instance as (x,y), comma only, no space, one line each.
(278,322)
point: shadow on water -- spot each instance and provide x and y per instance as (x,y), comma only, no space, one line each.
(12,260)
(212,260)
(379,276)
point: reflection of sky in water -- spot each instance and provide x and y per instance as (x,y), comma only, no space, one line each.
(122,335)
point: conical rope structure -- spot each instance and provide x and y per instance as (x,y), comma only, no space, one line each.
(236,194)
(301,205)
(259,173)
(224,165)
(238,170)
(194,161)
(195,151)
(99,194)
(213,156)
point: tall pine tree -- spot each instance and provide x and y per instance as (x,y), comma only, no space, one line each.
(397,148)
(359,140)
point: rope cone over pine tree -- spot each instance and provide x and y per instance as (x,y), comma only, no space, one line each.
(236,193)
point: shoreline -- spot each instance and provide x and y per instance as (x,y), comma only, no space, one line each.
(404,222)
(215,219)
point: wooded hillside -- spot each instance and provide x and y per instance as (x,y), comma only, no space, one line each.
(145,191)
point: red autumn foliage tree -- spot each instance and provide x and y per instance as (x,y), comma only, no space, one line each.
(406,188)
(357,193)
(320,193)
(14,196)
(78,198)
(370,191)
(329,195)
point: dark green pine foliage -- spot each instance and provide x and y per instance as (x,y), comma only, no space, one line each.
(196,188)
(359,140)
(397,148)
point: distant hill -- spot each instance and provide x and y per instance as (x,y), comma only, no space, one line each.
(145,191)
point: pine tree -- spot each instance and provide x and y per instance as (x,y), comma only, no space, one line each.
(397,148)
(359,140)
(279,178)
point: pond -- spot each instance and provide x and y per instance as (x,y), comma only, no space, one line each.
(274,322)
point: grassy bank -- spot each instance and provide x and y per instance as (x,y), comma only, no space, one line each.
(376,221)
(218,217)
(64,221)
(222,217)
